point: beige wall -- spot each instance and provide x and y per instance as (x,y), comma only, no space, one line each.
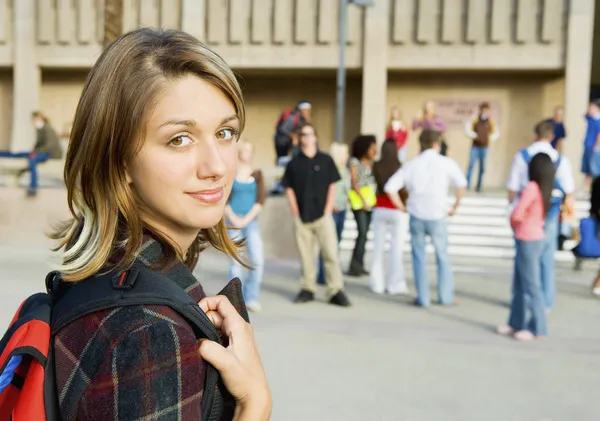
(5,108)
(523,100)
(59,96)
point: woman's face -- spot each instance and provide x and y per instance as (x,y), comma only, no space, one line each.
(430,108)
(372,151)
(182,175)
(395,114)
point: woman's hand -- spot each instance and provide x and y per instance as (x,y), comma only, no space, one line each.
(239,364)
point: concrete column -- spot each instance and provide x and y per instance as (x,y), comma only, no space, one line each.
(577,78)
(26,76)
(374,83)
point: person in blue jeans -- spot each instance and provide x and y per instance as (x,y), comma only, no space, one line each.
(47,146)
(483,130)
(340,155)
(564,184)
(427,207)
(591,141)
(527,320)
(247,198)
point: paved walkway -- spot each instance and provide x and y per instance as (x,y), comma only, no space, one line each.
(384,359)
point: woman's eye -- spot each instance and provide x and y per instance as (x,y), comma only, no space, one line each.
(226,134)
(180,141)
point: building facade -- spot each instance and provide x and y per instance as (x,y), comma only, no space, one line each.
(524,57)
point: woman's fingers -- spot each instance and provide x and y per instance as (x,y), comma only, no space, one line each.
(228,318)
(216,355)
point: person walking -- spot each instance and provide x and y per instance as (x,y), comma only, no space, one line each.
(483,130)
(518,179)
(310,187)
(362,197)
(339,153)
(527,320)
(247,198)
(397,131)
(427,179)
(388,219)
(147,188)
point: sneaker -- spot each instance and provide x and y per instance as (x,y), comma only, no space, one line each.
(505,330)
(596,291)
(376,290)
(254,306)
(340,299)
(524,335)
(304,296)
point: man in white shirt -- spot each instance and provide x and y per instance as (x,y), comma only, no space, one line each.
(518,179)
(427,178)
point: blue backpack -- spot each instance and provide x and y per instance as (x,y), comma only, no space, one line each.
(589,244)
(558,193)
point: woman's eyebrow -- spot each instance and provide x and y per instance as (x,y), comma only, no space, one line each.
(228,119)
(188,123)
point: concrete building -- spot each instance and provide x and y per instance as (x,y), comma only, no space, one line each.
(524,57)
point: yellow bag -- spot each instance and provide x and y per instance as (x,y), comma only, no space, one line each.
(356,202)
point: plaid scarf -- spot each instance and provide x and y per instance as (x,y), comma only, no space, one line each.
(132,363)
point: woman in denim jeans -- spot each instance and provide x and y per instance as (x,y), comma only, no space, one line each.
(527,320)
(364,149)
(340,154)
(245,203)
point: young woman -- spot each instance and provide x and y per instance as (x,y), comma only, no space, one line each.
(387,218)
(245,203)
(339,153)
(527,320)
(151,161)
(428,119)
(595,213)
(363,185)
(398,132)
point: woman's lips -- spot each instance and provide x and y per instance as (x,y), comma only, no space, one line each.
(208,196)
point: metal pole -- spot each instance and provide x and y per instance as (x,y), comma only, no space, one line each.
(341,73)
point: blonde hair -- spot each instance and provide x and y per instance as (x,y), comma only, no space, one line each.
(337,151)
(119,93)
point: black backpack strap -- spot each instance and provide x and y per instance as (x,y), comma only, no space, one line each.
(142,286)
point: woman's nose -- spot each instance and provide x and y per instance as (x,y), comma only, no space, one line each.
(211,163)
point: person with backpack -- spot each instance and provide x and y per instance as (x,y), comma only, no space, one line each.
(125,331)
(286,137)
(564,186)
(527,320)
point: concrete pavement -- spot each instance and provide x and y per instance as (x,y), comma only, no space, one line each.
(384,359)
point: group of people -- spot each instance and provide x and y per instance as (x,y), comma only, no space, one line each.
(392,197)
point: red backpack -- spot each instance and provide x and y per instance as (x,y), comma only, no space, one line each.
(286,114)
(27,380)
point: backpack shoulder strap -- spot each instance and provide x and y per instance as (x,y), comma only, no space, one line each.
(557,162)
(136,286)
(525,155)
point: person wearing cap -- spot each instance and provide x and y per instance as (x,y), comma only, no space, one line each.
(289,127)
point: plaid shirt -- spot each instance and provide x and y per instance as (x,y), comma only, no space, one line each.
(132,363)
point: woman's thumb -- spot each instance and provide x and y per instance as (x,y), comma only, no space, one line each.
(215,354)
